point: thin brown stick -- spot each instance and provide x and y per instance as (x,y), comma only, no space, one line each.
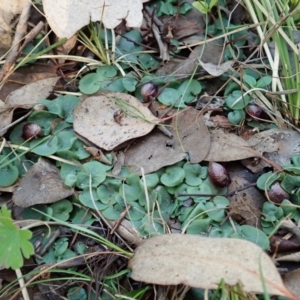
(13,54)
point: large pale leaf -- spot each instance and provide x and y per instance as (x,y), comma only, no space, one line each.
(203,262)
(66,17)
(94,119)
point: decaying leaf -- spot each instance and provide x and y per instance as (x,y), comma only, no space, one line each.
(8,10)
(227,147)
(216,70)
(25,97)
(156,150)
(42,184)
(245,206)
(94,119)
(277,145)
(68,16)
(291,281)
(209,53)
(202,263)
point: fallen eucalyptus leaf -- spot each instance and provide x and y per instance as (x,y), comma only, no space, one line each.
(154,151)
(216,70)
(227,147)
(67,17)
(94,119)
(203,262)
(41,185)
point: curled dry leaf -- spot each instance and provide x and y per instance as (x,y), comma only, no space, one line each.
(202,263)
(94,119)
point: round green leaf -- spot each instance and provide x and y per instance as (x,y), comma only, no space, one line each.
(92,173)
(132,190)
(216,209)
(249,80)
(264,81)
(112,212)
(62,209)
(76,293)
(290,182)
(266,180)
(172,176)
(193,173)
(70,180)
(203,188)
(152,181)
(189,89)
(107,71)
(168,96)
(147,61)
(8,175)
(89,84)
(106,193)
(237,100)
(48,147)
(136,212)
(129,84)
(253,234)
(66,138)
(91,200)
(235,117)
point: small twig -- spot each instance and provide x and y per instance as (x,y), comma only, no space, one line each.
(20,33)
(155,19)
(32,34)
(122,216)
(15,122)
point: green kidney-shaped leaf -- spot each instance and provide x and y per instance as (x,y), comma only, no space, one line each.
(92,173)
(189,89)
(48,147)
(89,84)
(61,209)
(290,182)
(172,176)
(203,188)
(235,117)
(266,180)
(249,80)
(253,234)
(169,96)
(263,81)
(193,174)
(216,209)
(237,100)
(131,190)
(8,175)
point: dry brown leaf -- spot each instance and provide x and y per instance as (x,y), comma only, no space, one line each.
(227,147)
(66,17)
(216,70)
(291,281)
(154,151)
(25,97)
(203,262)
(42,184)
(277,145)
(95,119)
(8,10)
(245,206)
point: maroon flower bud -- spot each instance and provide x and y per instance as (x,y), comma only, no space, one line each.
(276,193)
(149,91)
(218,175)
(31,130)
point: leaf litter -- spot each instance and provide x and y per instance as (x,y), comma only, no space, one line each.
(109,121)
